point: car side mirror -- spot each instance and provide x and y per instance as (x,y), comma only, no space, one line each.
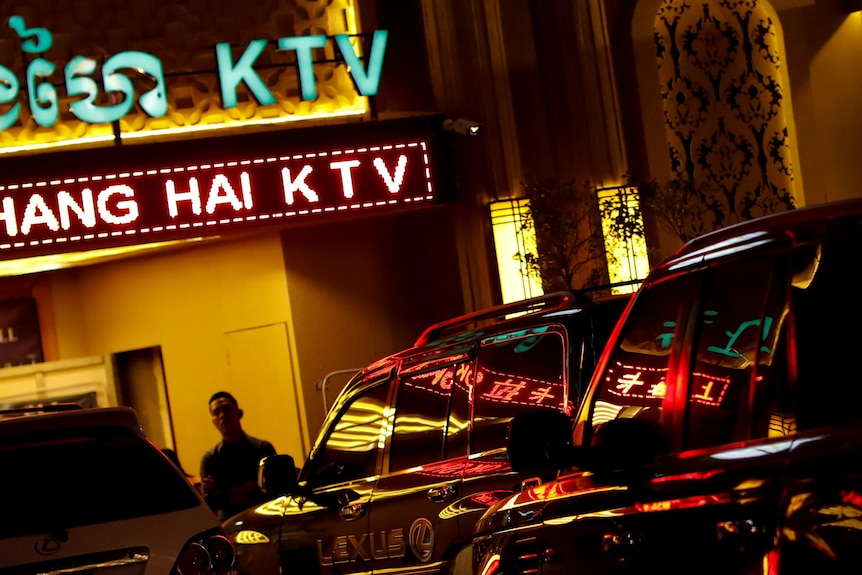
(622,444)
(540,441)
(276,475)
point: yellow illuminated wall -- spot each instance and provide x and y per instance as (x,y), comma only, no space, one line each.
(220,315)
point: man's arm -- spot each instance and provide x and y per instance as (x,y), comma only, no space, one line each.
(214,495)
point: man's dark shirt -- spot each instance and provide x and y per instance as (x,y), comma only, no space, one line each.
(232,465)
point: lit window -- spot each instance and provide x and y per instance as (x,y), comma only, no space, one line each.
(622,227)
(513,240)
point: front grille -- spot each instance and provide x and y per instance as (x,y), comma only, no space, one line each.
(526,556)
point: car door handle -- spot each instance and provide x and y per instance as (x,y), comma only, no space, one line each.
(619,544)
(740,530)
(354,511)
(441,493)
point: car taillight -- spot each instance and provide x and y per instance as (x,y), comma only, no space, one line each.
(210,554)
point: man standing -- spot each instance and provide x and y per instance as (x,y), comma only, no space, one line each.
(229,470)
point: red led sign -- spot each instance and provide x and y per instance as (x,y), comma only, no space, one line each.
(504,388)
(163,202)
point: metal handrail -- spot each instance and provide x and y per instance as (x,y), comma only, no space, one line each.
(321,384)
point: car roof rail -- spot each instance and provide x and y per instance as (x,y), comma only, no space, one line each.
(40,408)
(607,289)
(546,302)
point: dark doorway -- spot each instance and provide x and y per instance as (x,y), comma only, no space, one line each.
(141,385)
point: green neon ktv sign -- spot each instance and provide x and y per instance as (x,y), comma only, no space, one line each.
(84,81)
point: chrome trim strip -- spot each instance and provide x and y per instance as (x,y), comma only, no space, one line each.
(131,559)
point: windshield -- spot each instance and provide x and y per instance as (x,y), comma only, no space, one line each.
(87,476)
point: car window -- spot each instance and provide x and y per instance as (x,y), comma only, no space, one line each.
(742,310)
(420,418)
(87,477)
(634,379)
(353,442)
(828,313)
(458,425)
(517,373)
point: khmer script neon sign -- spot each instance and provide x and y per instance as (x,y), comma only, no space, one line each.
(81,82)
(197,199)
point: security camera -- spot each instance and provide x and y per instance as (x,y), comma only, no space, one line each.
(462,126)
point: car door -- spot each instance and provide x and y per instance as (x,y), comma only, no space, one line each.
(822,508)
(681,382)
(408,506)
(710,503)
(446,459)
(524,371)
(327,530)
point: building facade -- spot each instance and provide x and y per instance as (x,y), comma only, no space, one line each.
(278,304)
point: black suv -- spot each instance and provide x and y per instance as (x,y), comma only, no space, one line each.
(413,449)
(722,430)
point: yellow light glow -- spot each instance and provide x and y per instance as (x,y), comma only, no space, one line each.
(511,239)
(627,256)
(192,88)
(247,537)
(23,266)
(168,132)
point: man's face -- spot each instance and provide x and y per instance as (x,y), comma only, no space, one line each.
(225,415)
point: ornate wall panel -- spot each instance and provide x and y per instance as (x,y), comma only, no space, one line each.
(719,69)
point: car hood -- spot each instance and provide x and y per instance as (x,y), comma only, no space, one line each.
(577,494)
(743,472)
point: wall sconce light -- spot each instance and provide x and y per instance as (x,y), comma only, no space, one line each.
(626,248)
(511,238)
(462,126)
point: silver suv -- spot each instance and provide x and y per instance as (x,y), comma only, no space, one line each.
(83,491)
